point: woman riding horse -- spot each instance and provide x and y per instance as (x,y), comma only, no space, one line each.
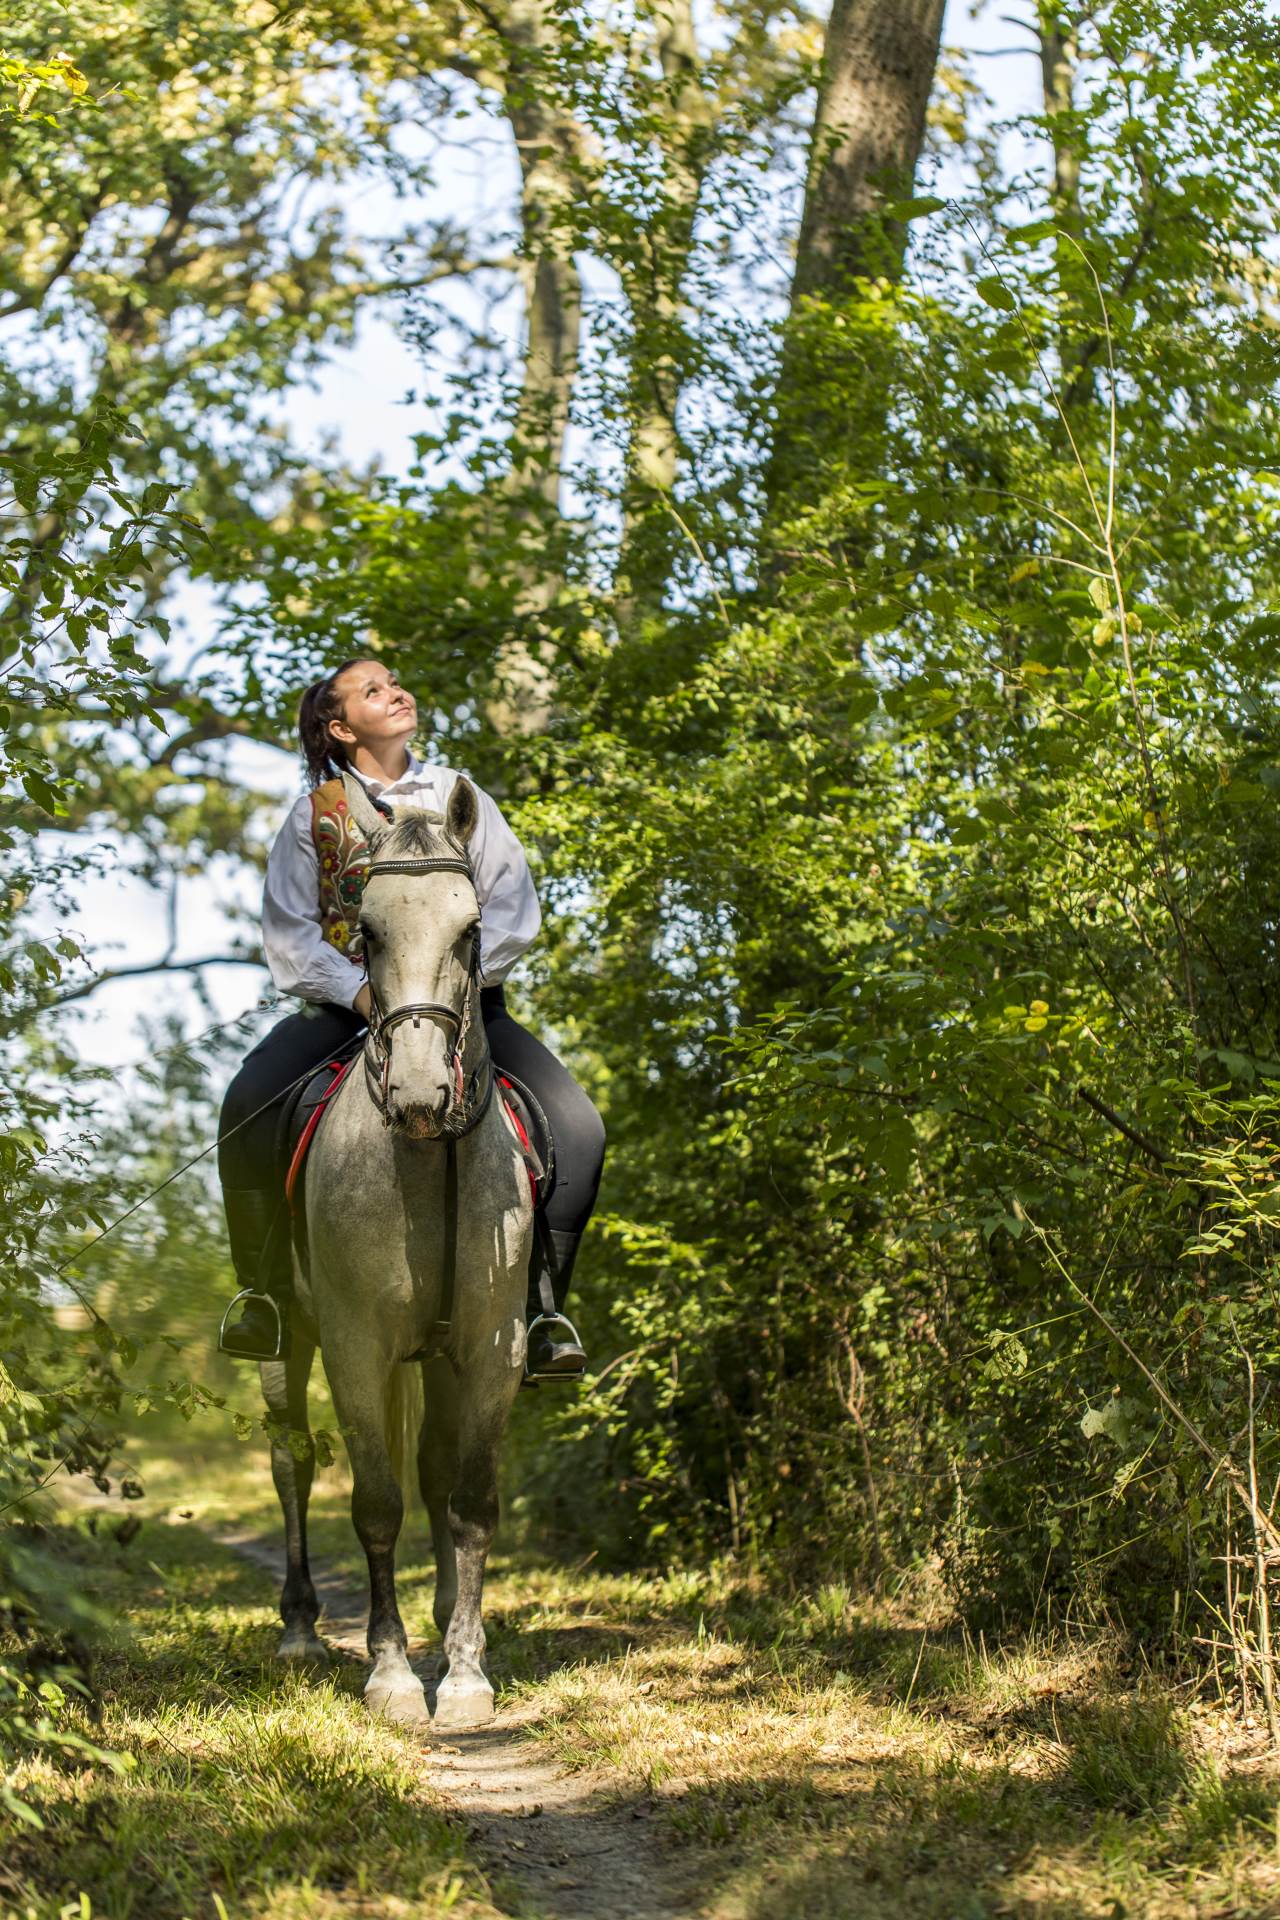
(360,720)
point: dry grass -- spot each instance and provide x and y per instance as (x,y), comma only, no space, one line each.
(250,1790)
(814,1755)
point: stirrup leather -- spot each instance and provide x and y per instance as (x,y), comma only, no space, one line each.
(254,1293)
(564,1327)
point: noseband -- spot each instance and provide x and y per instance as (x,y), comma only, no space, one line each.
(383,1025)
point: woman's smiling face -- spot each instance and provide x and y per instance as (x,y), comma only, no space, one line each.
(376,710)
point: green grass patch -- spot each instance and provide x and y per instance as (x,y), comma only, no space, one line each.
(251,1789)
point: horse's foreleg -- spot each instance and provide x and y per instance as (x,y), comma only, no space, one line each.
(377,1511)
(293,1454)
(437,1473)
(465,1696)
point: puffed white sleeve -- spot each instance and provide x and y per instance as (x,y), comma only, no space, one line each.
(301,960)
(509,912)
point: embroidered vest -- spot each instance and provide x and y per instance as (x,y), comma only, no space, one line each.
(342,850)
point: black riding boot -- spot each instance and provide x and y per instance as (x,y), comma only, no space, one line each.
(555,1352)
(262,1257)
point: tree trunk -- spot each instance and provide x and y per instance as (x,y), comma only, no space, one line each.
(868,131)
(658,312)
(547,144)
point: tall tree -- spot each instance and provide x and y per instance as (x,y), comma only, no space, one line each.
(877,72)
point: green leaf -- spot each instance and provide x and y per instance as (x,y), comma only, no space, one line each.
(1030,235)
(914,209)
(44,793)
(992,290)
(1008,1357)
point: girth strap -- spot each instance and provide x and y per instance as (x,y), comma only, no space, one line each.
(449,1282)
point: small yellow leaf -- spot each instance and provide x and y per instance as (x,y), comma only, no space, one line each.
(1039,1006)
(1099,595)
(1035,1023)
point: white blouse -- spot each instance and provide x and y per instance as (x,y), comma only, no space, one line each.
(301,959)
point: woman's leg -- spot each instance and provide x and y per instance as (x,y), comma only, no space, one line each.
(579,1158)
(250,1172)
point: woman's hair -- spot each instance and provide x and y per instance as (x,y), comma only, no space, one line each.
(322,755)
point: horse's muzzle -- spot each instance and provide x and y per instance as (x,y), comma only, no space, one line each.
(419,1120)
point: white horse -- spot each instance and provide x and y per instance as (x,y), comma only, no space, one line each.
(419,1219)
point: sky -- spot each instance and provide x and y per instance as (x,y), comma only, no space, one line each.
(358,402)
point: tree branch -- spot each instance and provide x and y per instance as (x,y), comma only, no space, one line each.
(86,987)
(1109,1114)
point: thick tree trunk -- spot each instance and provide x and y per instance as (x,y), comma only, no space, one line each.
(547,144)
(868,133)
(658,312)
(869,128)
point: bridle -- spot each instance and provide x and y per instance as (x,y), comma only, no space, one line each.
(382,1025)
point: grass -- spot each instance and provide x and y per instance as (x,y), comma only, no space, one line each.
(870,1771)
(251,1791)
(817,1754)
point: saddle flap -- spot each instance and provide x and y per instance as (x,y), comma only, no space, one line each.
(302,1119)
(532,1130)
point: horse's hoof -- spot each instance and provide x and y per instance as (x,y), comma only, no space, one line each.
(405,1703)
(468,1705)
(301,1647)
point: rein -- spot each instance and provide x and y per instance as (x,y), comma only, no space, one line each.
(378,1071)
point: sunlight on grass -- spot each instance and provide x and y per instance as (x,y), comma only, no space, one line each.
(821,1753)
(268,1789)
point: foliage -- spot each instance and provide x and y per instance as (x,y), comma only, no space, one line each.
(959,829)
(903,808)
(76,553)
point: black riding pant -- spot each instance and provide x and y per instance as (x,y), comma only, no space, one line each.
(247,1144)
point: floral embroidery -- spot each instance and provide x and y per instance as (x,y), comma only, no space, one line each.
(342,851)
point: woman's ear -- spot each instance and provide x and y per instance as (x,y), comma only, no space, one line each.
(463,814)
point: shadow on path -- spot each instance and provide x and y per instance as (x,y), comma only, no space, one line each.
(562,1843)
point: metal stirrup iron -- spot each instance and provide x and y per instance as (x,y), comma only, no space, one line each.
(550,1321)
(251,1293)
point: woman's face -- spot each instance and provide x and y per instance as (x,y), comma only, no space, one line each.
(376,710)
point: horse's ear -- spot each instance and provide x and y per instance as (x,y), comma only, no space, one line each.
(360,806)
(463,815)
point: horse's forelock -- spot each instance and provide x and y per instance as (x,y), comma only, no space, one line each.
(414,833)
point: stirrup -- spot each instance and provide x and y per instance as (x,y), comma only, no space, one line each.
(254,1293)
(543,1321)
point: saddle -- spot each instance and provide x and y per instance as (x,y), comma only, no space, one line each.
(304,1111)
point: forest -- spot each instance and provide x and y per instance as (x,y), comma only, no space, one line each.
(840,532)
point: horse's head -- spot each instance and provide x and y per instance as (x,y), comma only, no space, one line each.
(421,925)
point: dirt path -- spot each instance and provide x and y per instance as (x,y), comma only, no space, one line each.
(553,1837)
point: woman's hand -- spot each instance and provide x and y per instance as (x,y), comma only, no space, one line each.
(363,1002)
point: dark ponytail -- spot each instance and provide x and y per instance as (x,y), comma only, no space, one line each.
(322,755)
